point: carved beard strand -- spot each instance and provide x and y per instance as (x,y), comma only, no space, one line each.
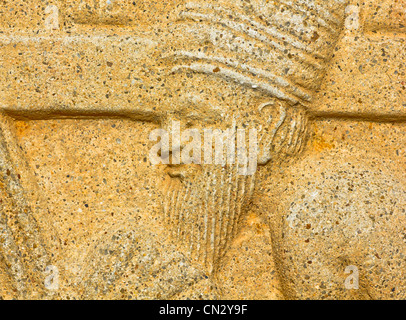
(203,213)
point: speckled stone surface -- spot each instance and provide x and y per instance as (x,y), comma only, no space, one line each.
(84,212)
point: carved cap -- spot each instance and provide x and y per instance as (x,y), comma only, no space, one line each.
(280,47)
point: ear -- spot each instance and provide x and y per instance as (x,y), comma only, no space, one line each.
(283,130)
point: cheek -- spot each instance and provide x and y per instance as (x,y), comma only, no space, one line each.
(194,171)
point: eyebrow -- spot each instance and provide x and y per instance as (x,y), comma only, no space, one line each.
(200,110)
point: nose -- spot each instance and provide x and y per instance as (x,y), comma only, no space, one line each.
(173,126)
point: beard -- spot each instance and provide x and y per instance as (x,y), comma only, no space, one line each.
(203,211)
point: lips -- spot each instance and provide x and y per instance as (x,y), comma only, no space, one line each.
(176,171)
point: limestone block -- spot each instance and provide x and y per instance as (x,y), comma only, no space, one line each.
(202,149)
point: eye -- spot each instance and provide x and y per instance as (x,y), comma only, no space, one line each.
(189,124)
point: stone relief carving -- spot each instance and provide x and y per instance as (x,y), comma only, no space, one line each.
(205,65)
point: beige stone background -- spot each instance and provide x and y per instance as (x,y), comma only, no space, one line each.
(87,176)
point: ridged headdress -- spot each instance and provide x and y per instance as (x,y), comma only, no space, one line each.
(281,47)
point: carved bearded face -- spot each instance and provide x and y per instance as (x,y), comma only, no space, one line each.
(204,204)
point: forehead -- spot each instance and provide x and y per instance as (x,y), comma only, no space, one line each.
(206,95)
